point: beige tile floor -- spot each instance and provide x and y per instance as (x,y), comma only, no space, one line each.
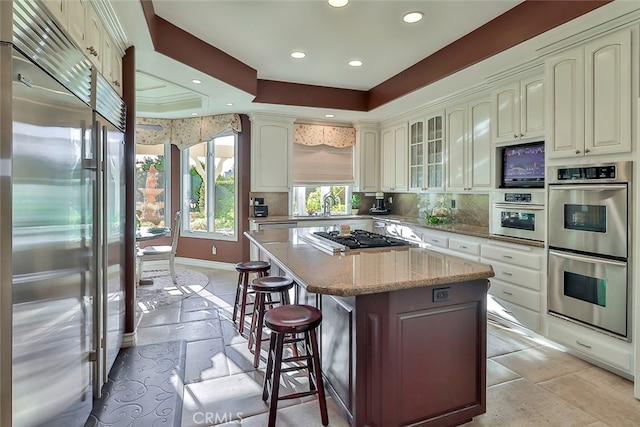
(529,382)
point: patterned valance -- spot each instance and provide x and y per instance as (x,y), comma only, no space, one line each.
(185,132)
(333,136)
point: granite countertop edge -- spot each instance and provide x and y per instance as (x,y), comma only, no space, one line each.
(337,289)
(457,228)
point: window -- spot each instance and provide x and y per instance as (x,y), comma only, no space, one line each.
(309,200)
(209,189)
(152,184)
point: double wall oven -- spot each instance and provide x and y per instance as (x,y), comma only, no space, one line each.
(589,211)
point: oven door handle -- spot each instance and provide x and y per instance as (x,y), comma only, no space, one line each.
(513,206)
(601,187)
(582,258)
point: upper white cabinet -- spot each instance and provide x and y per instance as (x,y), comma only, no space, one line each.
(86,29)
(426,154)
(468,139)
(93,41)
(271,148)
(394,159)
(589,90)
(367,158)
(519,110)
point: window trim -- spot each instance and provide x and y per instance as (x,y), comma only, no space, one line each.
(184,200)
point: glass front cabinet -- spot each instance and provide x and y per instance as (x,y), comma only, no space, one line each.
(426,154)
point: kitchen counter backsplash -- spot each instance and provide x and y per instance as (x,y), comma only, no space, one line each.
(278,202)
(470,209)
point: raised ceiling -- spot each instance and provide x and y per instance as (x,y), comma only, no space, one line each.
(258,36)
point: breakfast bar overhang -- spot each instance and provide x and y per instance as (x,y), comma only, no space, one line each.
(403,337)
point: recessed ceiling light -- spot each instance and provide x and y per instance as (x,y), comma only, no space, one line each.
(329,115)
(196,81)
(338,3)
(412,17)
(194,114)
(355,63)
(298,55)
(229,104)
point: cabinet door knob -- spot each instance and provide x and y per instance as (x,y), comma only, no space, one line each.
(522,135)
(515,136)
(577,151)
(586,150)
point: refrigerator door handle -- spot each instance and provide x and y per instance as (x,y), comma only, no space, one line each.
(88,157)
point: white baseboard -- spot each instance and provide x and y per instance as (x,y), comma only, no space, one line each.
(128,339)
(194,262)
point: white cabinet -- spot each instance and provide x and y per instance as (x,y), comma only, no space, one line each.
(519,110)
(589,91)
(516,289)
(394,158)
(271,148)
(468,139)
(93,40)
(58,9)
(592,345)
(367,158)
(426,154)
(77,22)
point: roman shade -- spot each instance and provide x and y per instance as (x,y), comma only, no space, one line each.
(323,154)
(185,132)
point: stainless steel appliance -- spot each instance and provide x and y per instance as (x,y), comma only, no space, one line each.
(63,208)
(589,211)
(519,214)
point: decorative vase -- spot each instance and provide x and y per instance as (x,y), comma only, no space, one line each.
(354,211)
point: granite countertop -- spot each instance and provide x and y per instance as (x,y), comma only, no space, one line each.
(361,272)
(458,228)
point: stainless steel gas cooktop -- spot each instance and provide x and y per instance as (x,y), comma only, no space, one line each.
(361,239)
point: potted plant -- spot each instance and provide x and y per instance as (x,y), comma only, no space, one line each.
(355,203)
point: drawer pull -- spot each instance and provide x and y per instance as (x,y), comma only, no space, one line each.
(463,247)
(507,293)
(435,240)
(506,273)
(507,256)
(508,312)
(583,345)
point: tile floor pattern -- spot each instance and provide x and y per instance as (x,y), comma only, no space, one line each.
(529,383)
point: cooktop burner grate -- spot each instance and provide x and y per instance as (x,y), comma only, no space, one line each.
(361,239)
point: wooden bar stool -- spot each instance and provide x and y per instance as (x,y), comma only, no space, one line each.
(261,268)
(264,287)
(287,320)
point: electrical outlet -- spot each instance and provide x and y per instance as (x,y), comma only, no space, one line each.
(213,250)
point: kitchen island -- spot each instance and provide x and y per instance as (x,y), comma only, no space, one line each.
(403,337)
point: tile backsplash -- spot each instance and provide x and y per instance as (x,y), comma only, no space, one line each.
(472,209)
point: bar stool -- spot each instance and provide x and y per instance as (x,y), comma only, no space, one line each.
(292,320)
(261,268)
(264,287)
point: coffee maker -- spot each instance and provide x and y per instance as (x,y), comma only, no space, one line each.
(379,207)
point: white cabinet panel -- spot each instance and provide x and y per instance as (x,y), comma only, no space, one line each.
(589,88)
(519,110)
(395,158)
(271,147)
(468,131)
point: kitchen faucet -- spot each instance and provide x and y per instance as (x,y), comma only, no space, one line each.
(327,201)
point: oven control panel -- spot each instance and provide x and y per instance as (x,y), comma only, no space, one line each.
(517,197)
(589,172)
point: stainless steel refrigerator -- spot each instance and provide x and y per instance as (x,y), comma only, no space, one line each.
(65,209)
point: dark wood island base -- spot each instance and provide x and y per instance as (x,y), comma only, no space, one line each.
(421,356)
(404,332)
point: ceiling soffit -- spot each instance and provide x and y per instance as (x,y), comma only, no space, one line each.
(523,22)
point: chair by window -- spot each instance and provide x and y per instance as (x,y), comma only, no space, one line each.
(163,252)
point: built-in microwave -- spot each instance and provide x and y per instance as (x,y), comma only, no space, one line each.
(518,214)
